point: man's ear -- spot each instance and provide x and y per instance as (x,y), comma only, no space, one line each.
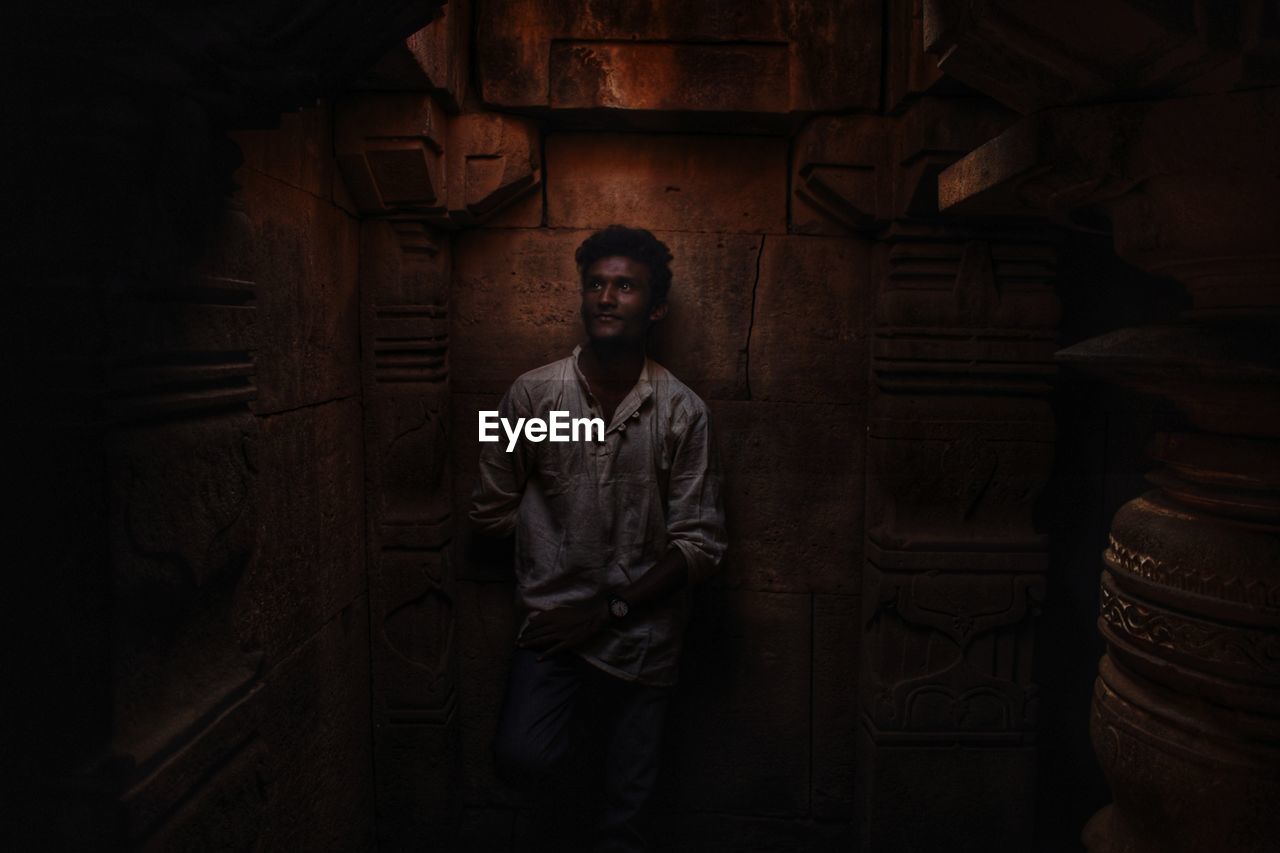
(658,311)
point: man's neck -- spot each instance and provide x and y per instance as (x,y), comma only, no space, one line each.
(612,368)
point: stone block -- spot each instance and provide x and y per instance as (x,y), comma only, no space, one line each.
(475,557)
(435,59)
(186,506)
(680,57)
(840,175)
(837,629)
(745,78)
(703,339)
(309,562)
(316,725)
(694,832)
(403,154)
(954,471)
(667,183)
(285,766)
(516,301)
(836,47)
(486,637)
(793,494)
(403,264)
(415,771)
(306,267)
(299,152)
(813,307)
(972,797)
(739,733)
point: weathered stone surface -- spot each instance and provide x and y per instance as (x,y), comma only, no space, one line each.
(793,495)
(284,767)
(1031,58)
(415,771)
(967,793)
(938,477)
(403,264)
(703,339)
(306,268)
(184,511)
(516,307)
(434,59)
(475,557)
(298,152)
(693,832)
(739,728)
(812,310)
(633,75)
(668,183)
(909,70)
(837,631)
(486,638)
(403,154)
(309,562)
(681,58)
(840,180)
(316,725)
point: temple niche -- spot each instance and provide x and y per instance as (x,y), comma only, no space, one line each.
(983,300)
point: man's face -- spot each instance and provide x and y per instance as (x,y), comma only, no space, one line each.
(617,301)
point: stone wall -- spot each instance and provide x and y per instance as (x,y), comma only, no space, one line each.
(769,328)
(203,666)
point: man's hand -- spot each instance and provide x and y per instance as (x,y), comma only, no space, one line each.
(564,627)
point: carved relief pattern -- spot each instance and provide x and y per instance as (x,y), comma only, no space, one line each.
(1207,581)
(960,445)
(1254,654)
(182,466)
(948,653)
(413,168)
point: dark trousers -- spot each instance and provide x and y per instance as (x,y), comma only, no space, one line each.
(555,711)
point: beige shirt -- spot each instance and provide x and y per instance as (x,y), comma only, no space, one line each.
(590,517)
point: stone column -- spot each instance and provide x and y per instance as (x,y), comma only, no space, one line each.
(959,446)
(416,173)
(1186,713)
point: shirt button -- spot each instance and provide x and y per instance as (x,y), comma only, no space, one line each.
(635,415)
(622,427)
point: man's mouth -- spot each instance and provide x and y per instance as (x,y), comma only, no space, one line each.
(608,317)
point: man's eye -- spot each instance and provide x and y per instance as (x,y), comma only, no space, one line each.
(626,285)
(593,285)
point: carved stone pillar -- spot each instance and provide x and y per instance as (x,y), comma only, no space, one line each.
(959,446)
(1186,712)
(415,172)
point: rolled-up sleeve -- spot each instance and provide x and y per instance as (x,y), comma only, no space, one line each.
(695,510)
(495,502)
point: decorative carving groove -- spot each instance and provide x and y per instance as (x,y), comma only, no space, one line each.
(1220,648)
(1213,583)
(402,155)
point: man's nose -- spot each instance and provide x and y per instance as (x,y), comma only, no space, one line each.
(608,294)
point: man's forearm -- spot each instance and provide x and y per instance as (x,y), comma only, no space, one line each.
(663,578)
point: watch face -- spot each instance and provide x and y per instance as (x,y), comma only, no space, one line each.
(618,608)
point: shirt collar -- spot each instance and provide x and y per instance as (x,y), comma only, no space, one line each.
(641,391)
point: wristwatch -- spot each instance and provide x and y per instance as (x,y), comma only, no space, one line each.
(618,608)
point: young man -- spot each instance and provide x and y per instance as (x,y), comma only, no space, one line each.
(610,534)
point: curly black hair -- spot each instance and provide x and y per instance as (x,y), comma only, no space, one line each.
(634,243)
